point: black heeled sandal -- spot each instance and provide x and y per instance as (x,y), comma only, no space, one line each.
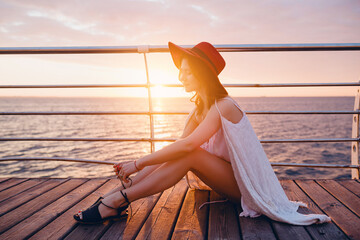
(92,214)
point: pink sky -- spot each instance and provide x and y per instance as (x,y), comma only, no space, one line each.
(121,23)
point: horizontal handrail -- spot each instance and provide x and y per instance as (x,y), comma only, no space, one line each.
(169,113)
(164,48)
(310,140)
(302,112)
(81,86)
(92,139)
(174,139)
(314,165)
(276,164)
(57,159)
(96,113)
(255,85)
(293,85)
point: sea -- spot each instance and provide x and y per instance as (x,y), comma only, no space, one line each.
(166,126)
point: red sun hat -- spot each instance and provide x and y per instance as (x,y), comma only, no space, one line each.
(203,51)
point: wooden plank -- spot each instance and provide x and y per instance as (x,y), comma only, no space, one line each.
(41,218)
(28,195)
(255,228)
(324,231)
(351,185)
(192,222)
(162,219)
(342,194)
(223,223)
(3,179)
(346,220)
(288,231)
(152,218)
(20,188)
(63,224)
(19,214)
(128,229)
(85,231)
(11,182)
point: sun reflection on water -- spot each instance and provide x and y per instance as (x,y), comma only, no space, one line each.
(160,145)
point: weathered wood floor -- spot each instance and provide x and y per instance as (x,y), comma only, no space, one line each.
(43,209)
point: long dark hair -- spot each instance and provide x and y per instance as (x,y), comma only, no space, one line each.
(209,81)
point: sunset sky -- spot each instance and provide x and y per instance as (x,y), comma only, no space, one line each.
(42,23)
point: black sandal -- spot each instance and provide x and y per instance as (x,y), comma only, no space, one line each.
(92,214)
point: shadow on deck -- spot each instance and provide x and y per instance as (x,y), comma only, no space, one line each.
(43,208)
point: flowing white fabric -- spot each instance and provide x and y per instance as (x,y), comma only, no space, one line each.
(260,189)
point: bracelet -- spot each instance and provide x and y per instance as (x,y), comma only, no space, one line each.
(136,166)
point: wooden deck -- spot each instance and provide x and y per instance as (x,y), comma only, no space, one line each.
(43,208)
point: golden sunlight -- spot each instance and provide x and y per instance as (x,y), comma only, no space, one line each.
(160,91)
(160,145)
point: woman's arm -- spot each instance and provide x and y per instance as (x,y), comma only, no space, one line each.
(194,138)
(208,127)
(190,124)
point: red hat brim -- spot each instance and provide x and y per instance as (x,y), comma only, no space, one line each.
(177,54)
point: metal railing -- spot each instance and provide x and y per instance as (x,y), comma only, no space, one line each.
(164,48)
(354,166)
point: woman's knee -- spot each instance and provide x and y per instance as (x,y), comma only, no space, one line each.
(195,158)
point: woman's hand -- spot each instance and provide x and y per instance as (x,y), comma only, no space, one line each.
(117,168)
(124,170)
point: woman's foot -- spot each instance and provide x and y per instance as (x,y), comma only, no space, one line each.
(97,201)
(92,214)
(112,200)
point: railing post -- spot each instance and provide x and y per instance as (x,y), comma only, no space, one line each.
(355,134)
(150,102)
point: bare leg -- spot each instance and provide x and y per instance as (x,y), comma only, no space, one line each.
(136,179)
(214,171)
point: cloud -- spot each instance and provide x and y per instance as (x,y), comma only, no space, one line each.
(26,23)
(157,21)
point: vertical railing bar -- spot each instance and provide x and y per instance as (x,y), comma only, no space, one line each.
(152,147)
(355,134)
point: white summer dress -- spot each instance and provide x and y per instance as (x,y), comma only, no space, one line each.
(261,192)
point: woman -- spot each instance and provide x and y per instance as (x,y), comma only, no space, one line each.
(218,146)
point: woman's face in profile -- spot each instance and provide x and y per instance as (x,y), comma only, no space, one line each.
(187,78)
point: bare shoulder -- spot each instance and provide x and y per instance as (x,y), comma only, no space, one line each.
(229,110)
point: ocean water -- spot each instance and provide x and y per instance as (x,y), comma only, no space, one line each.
(118,126)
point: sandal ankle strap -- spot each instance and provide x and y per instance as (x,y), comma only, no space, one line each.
(125,196)
(122,183)
(107,205)
(126,199)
